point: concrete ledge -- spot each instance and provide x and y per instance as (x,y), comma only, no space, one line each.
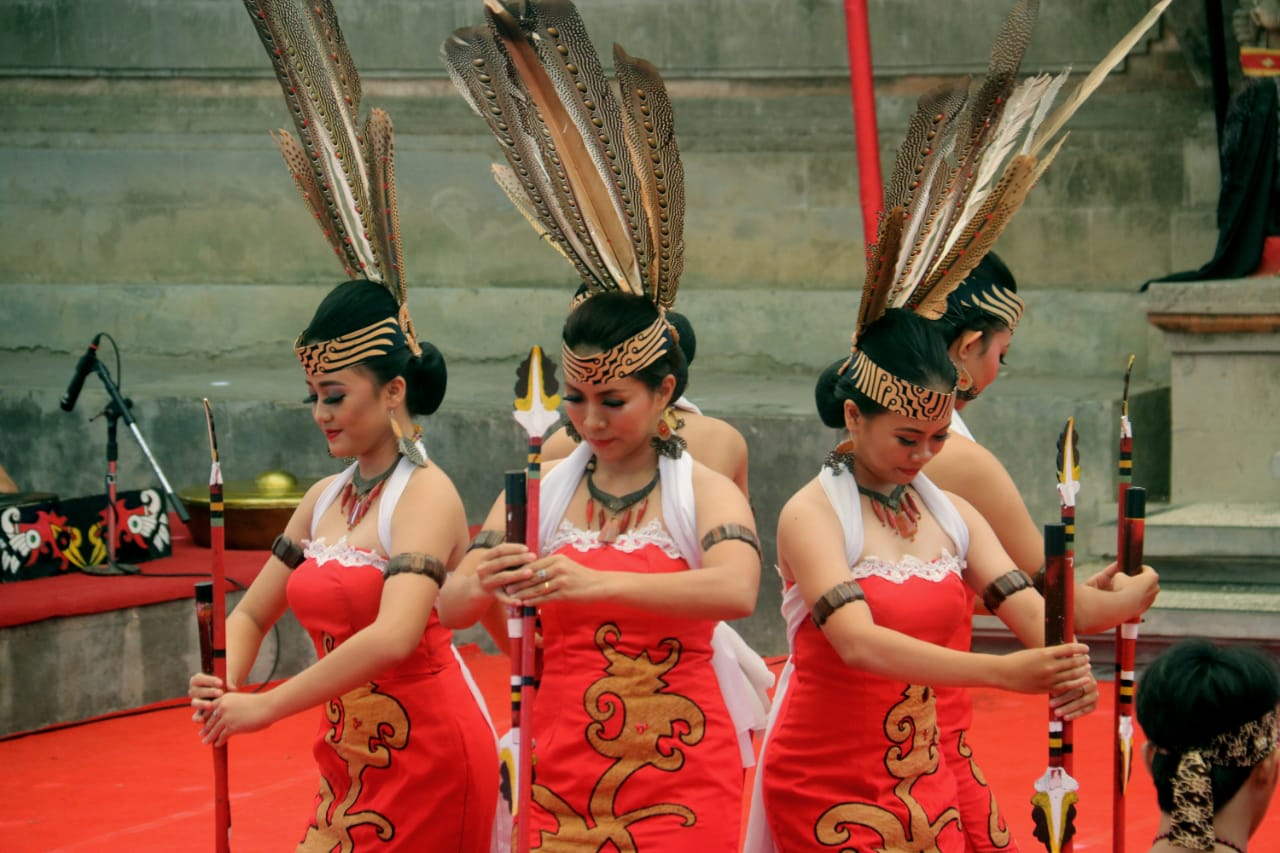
(59,670)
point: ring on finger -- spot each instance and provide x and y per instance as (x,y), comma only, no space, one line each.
(542,574)
(546,586)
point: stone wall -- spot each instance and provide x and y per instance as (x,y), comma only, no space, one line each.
(135,146)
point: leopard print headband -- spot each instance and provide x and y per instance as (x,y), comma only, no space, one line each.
(1191,823)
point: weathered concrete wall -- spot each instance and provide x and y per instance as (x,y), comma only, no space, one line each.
(135,147)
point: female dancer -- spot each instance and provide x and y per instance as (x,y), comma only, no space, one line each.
(884,600)
(977,327)
(407,758)
(642,551)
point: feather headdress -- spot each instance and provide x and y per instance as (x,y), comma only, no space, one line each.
(596,174)
(344,172)
(966,166)
(599,175)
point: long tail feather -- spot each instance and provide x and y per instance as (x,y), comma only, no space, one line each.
(295,158)
(877,290)
(506,179)
(960,181)
(655,158)
(379,159)
(480,70)
(1059,118)
(561,74)
(322,89)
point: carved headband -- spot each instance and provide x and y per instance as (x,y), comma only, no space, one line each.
(626,358)
(897,395)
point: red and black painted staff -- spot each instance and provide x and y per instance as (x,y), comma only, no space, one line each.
(517,778)
(212,619)
(535,409)
(1068,490)
(1053,805)
(1124,476)
(1132,532)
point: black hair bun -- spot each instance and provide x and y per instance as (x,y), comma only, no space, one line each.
(426,378)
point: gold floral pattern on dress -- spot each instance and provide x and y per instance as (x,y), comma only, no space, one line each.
(997,831)
(912,728)
(637,724)
(365,726)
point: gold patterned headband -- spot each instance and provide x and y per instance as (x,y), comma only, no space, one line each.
(897,395)
(999,302)
(624,359)
(377,339)
(1191,823)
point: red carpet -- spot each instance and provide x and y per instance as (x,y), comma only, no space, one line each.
(144,782)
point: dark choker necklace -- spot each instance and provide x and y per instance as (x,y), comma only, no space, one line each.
(897,510)
(359,493)
(1164,836)
(619,505)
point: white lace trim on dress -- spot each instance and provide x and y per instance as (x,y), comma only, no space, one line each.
(652,533)
(344,553)
(909,567)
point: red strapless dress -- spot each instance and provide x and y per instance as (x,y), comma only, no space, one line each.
(634,748)
(853,762)
(986,829)
(407,761)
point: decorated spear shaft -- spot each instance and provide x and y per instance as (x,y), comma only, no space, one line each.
(1124,740)
(536,403)
(1068,490)
(516,532)
(218,633)
(1053,805)
(1132,533)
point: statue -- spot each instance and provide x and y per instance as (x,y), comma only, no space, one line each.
(1249,155)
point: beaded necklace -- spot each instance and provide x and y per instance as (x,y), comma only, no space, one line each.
(619,505)
(359,493)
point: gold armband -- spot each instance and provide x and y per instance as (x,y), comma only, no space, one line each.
(287,551)
(418,564)
(833,599)
(725,532)
(1004,586)
(486,539)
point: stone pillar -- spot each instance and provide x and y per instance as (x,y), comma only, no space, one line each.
(1224,345)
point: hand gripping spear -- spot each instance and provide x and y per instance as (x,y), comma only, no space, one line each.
(535,410)
(1132,502)
(1053,805)
(211,618)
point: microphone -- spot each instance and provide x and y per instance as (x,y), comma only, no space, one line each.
(83,366)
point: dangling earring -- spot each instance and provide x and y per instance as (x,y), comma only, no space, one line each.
(964,379)
(668,442)
(840,457)
(410,446)
(571,431)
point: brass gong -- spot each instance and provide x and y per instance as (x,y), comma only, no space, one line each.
(256,511)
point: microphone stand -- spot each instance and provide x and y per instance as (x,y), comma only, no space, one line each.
(117,409)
